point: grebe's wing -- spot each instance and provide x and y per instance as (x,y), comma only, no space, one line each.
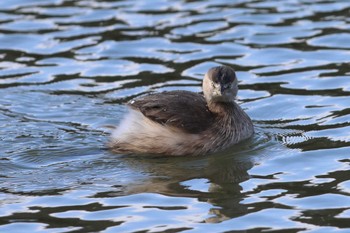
(185,110)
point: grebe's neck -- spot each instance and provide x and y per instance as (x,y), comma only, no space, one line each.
(230,116)
(222,108)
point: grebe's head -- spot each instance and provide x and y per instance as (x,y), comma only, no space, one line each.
(220,84)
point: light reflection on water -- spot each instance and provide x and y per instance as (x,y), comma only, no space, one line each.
(67,67)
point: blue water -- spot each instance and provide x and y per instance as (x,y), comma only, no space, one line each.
(68,67)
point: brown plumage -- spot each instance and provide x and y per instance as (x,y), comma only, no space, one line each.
(184,110)
(183,122)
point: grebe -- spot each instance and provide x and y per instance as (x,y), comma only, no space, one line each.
(184,122)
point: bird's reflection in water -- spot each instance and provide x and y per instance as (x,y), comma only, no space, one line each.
(221,173)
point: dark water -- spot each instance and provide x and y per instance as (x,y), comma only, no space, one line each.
(67,67)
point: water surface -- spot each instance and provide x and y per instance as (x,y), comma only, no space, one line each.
(67,67)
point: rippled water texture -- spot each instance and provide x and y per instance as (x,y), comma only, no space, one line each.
(67,67)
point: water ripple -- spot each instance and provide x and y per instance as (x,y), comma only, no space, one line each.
(67,68)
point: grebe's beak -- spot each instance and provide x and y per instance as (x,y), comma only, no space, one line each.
(224,87)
